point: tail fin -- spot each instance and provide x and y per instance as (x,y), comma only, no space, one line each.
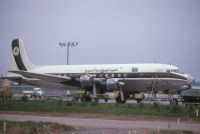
(19,59)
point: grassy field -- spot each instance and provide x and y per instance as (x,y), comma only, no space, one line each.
(29,127)
(25,124)
(59,106)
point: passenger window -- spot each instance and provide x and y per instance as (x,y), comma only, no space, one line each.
(106,75)
(119,75)
(112,75)
(100,75)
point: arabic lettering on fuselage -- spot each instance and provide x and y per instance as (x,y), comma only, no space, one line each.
(102,70)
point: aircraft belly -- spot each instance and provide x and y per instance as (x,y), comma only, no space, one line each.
(156,85)
(137,85)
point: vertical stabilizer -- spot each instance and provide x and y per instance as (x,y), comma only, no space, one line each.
(19,59)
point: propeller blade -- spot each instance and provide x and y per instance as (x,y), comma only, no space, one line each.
(121,94)
(94,90)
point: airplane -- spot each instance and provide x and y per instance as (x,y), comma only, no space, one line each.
(127,79)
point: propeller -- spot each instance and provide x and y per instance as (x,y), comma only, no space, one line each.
(94,89)
(89,80)
(121,94)
(120,85)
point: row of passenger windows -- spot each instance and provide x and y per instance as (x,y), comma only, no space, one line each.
(95,75)
(120,75)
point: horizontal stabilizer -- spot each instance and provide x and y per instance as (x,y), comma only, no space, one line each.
(45,77)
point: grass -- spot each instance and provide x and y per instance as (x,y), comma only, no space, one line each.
(24,124)
(29,127)
(53,106)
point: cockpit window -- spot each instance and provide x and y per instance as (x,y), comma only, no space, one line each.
(176,70)
(173,70)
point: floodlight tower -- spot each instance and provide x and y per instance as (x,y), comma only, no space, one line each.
(68,44)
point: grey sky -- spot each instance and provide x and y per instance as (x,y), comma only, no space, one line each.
(108,31)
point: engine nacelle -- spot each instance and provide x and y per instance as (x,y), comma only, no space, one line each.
(111,84)
(86,80)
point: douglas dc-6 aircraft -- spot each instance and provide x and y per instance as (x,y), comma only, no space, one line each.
(127,79)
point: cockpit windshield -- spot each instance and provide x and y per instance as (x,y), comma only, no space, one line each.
(173,70)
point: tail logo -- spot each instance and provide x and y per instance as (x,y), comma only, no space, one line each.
(16,51)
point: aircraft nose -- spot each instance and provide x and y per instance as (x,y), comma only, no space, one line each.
(190,79)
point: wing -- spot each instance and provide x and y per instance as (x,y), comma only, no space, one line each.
(45,77)
(13,78)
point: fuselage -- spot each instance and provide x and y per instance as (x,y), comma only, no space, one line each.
(106,68)
(138,77)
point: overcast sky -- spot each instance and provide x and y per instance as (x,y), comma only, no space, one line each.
(108,31)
